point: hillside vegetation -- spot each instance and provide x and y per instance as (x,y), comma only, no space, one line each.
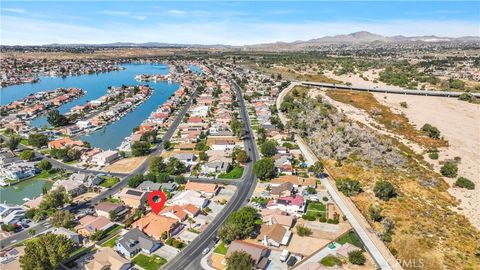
(415,219)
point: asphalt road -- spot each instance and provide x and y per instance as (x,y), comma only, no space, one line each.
(189,257)
(40,227)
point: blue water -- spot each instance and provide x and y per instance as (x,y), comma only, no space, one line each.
(195,69)
(95,86)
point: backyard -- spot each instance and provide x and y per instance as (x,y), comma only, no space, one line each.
(108,181)
(235,173)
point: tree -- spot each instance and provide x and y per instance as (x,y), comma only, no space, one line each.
(62,218)
(240,260)
(356,257)
(27,155)
(238,225)
(13,142)
(135,180)
(449,169)
(167,145)
(56,119)
(203,156)
(317,168)
(431,131)
(112,215)
(268,149)
(54,199)
(262,135)
(303,231)
(72,154)
(179,179)
(175,166)
(156,165)
(32,232)
(47,252)
(140,148)
(44,165)
(375,213)
(98,235)
(264,168)
(384,190)
(465,183)
(349,187)
(241,156)
(162,177)
(201,146)
(38,140)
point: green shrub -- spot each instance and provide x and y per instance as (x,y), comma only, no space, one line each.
(465,183)
(433,155)
(449,169)
(356,257)
(384,190)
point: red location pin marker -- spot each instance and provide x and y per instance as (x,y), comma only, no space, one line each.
(156,200)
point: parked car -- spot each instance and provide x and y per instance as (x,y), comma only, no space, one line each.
(205,251)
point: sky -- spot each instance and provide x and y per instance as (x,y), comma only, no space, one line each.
(231,23)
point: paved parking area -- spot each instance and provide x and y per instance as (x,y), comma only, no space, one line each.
(187,236)
(167,252)
(275,263)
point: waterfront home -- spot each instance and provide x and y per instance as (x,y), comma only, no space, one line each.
(90,224)
(107,258)
(8,157)
(274,235)
(157,227)
(291,204)
(132,197)
(106,209)
(180,212)
(258,253)
(19,170)
(34,203)
(206,189)
(72,187)
(105,158)
(135,241)
(189,197)
(89,153)
(10,213)
(276,216)
(64,142)
(75,237)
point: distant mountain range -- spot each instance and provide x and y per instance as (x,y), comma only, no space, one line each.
(362,37)
(357,38)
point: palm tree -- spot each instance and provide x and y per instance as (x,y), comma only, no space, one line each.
(190,221)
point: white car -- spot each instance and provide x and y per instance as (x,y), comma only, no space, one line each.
(205,251)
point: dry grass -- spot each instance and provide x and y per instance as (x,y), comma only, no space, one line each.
(426,230)
(290,74)
(396,123)
(125,165)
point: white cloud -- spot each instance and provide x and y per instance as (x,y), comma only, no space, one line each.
(176,12)
(15,10)
(123,14)
(27,31)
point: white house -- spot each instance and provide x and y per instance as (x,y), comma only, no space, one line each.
(189,197)
(105,158)
(10,213)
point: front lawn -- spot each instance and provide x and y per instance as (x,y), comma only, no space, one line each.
(109,182)
(149,262)
(221,249)
(112,242)
(351,238)
(316,206)
(331,261)
(235,173)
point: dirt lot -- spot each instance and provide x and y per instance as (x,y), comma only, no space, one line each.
(125,165)
(459,123)
(306,245)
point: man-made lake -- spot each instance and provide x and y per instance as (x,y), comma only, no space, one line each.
(26,189)
(95,86)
